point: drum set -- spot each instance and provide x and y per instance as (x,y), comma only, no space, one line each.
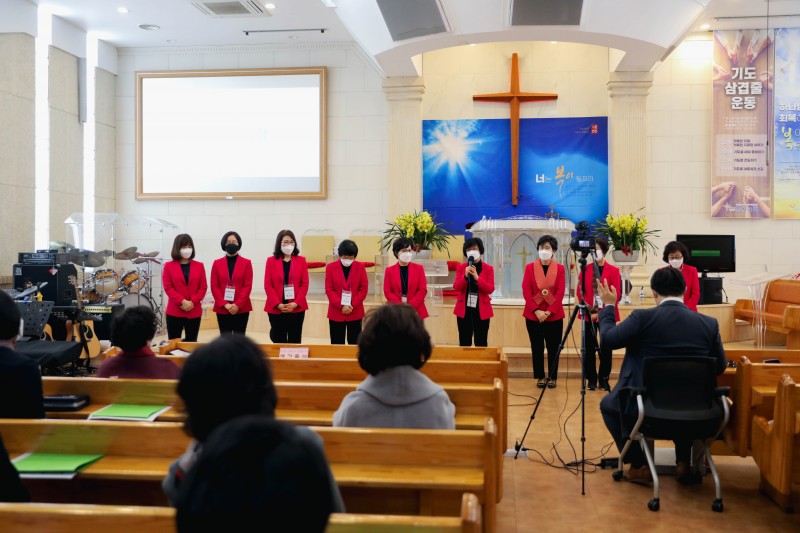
(106,286)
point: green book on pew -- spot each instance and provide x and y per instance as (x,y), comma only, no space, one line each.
(125,411)
(56,465)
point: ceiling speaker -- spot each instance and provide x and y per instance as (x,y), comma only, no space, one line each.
(407,19)
(546,12)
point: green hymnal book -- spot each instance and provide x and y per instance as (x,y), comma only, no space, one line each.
(53,463)
(123,411)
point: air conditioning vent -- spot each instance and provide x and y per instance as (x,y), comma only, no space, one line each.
(407,19)
(235,8)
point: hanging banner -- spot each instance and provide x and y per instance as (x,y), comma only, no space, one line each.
(563,168)
(741,100)
(786,174)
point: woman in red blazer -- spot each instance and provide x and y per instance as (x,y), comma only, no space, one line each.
(474,282)
(611,274)
(543,286)
(405,281)
(184,281)
(231,283)
(346,288)
(675,253)
(286,285)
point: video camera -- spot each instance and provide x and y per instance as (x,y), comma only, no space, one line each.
(582,242)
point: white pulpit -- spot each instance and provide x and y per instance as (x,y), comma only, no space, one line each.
(510,244)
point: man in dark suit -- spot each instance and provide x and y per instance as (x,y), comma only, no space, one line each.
(20,380)
(669,328)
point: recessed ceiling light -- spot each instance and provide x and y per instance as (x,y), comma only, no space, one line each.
(269,5)
(705,26)
(170,40)
(149,27)
(123,10)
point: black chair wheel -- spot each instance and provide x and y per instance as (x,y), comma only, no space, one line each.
(653,505)
(617,475)
(716,506)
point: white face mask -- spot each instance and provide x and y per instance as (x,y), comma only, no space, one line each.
(545,255)
(676,263)
(473,254)
(288,249)
(405,257)
(346,262)
(186,253)
(598,254)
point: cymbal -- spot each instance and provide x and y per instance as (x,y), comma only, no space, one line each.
(86,258)
(127,254)
(144,259)
(151,254)
(106,253)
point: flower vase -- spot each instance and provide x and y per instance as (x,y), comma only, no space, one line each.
(424,254)
(621,257)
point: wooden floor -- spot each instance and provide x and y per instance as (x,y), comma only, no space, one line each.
(539,494)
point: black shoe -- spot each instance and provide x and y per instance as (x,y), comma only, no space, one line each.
(540,383)
(551,384)
(591,385)
(604,385)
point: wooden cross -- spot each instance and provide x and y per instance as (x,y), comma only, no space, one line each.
(514,97)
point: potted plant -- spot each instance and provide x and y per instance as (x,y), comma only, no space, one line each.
(421,227)
(628,235)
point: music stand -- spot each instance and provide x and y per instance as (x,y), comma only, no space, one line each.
(34,316)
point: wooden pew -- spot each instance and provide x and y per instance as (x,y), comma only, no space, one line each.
(780,310)
(303,403)
(93,518)
(776,446)
(391,471)
(749,375)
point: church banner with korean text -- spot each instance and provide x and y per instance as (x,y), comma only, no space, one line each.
(786,171)
(741,98)
(563,169)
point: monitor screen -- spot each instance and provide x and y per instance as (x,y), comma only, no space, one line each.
(710,253)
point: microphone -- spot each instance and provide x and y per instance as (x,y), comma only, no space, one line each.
(470,260)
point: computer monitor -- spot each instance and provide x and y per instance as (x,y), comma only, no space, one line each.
(710,253)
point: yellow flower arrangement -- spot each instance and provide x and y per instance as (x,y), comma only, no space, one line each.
(628,233)
(420,227)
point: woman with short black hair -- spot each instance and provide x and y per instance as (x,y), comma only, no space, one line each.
(231,284)
(404,281)
(474,282)
(675,253)
(286,285)
(184,281)
(346,288)
(393,346)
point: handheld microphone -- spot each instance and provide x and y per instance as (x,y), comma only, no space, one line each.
(470,260)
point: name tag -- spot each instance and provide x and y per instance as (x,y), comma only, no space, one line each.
(293,353)
(288,292)
(404,299)
(229,294)
(472,300)
(598,302)
(347,298)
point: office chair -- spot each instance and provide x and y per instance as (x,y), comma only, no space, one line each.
(679,400)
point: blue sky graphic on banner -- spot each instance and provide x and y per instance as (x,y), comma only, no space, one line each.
(466,172)
(786,177)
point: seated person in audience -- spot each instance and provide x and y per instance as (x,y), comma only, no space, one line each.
(669,328)
(20,379)
(11,487)
(223,380)
(132,331)
(393,346)
(256,473)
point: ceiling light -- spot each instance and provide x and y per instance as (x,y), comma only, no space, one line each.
(705,26)
(292,37)
(270,5)
(553,42)
(123,10)
(170,40)
(149,27)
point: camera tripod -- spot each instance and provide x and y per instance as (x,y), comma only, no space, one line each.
(580,309)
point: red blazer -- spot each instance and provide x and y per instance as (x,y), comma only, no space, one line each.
(530,289)
(417,287)
(273,283)
(610,274)
(356,284)
(692,294)
(242,282)
(178,290)
(485,288)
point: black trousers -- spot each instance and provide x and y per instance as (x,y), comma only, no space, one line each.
(349,330)
(233,323)
(286,327)
(592,330)
(177,324)
(543,334)
(472,326)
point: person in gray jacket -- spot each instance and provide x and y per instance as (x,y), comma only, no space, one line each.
(393,346)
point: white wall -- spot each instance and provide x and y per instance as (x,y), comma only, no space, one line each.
(357,134)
